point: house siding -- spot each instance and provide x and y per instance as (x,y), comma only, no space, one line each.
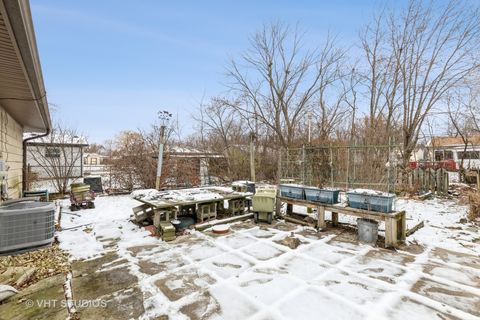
(69,157)
(11,151)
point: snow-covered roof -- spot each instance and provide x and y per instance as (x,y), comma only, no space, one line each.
(53,138)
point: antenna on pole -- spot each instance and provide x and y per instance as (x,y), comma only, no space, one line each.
(164,117)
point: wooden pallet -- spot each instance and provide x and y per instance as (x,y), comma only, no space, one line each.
(395,222)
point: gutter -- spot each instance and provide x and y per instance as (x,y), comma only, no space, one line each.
(19,17)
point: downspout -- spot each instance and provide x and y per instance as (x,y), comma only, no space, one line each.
(24,166)
(46,121)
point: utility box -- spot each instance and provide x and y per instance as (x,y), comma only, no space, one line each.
(26,225)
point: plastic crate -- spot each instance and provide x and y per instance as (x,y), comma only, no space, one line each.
(373,202)
(292,191)
(26,225)
(322,195)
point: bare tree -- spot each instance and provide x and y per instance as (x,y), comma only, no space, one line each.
(218,125)
(56,158)
(427,50)
(275,80)
(331,96)
(380,77)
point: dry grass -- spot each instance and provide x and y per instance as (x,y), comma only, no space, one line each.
(47,262)
(474,201)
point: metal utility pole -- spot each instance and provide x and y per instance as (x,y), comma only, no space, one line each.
(309,117)
(164,117)
(252,156)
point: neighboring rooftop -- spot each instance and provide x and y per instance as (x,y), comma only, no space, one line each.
(453,141)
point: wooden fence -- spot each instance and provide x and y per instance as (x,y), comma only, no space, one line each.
(427,179)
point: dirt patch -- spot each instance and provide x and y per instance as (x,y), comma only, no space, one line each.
(84,267)
(204,307)
(98,284)
(243,225)
(290,242)
(108,243)
(406,305)
(456,257)
(466,276)
(228,265)
(284,226)
(137,249)
(452,296)
(160,263)
(392,256)
(413,248)
(123,304)
(183,282)
(270,271)
(151,268)
(255,281)
(312,234)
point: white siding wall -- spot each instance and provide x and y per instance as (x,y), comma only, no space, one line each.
(69,157)
(11,138)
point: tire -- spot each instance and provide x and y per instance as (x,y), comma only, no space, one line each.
(91,205)
(269,218)
(255,217)
(74,207)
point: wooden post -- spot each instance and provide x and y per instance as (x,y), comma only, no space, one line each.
(321,217)
(334,218)
(252,157)
(478,179)
(390,232)
(402,226)
(289,208)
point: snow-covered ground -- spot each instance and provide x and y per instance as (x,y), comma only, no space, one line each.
(249,274)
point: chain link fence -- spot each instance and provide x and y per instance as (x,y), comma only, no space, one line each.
(342,166)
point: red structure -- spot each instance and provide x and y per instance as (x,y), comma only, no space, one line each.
(450,165)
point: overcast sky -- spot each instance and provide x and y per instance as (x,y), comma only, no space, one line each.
(111,65)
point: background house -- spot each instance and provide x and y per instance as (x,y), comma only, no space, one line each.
(23,103)
(95,164)
(55,165)
(454,148)
(186,167)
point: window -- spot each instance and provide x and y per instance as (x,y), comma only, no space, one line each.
(51,152)
(85,160)
(469,155)
(443,155)
(93,161)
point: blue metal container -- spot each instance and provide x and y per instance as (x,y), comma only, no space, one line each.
(373,202)
(292,191)
(322,195)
